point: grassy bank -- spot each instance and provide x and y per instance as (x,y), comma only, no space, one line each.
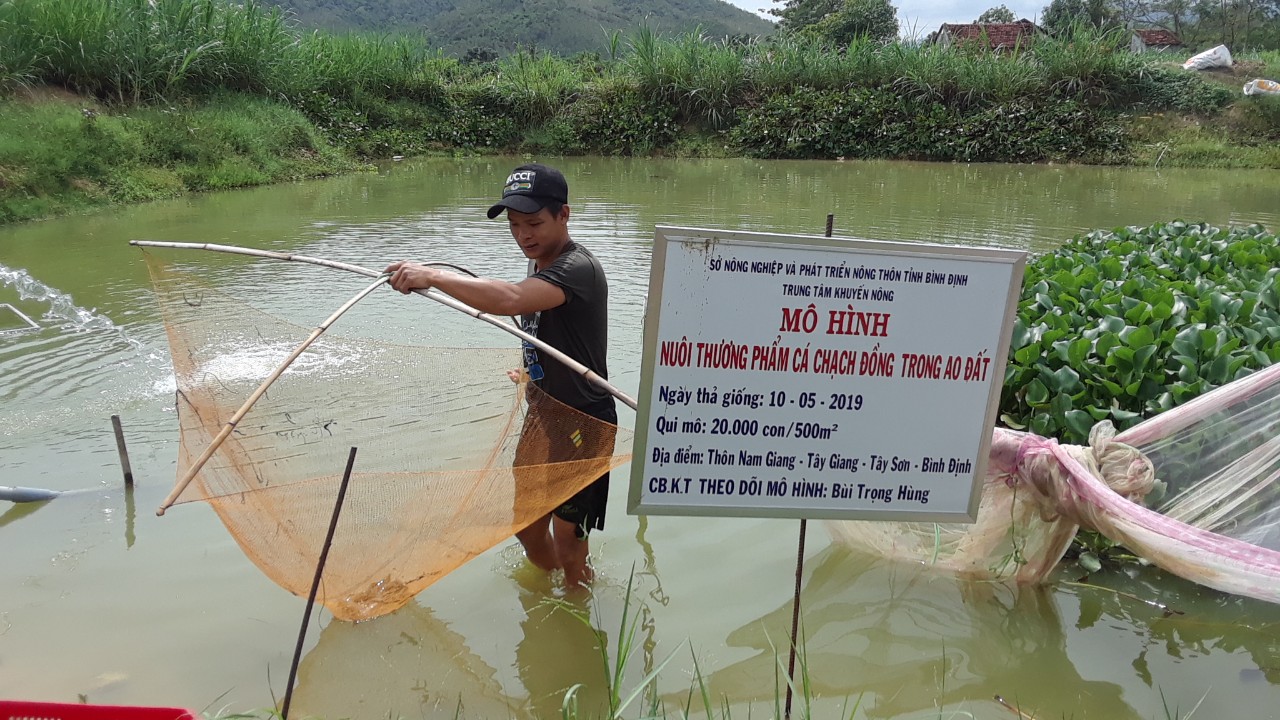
(156,98)
(62,154)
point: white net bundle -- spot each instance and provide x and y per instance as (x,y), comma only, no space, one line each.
(1209,469)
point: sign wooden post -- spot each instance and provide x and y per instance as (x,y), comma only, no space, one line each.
(795,601)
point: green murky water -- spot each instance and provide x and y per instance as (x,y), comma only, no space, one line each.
(98,597)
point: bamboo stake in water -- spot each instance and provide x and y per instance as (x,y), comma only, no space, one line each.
(587,373)
(122,451)
(315,584)
(262,389)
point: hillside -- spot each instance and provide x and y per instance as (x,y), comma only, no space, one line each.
(564,27)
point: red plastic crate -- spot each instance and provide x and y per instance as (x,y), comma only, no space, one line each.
(17,710)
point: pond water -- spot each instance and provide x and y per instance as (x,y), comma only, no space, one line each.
(101,599)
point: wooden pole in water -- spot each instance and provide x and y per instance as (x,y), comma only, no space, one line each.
(123,451)
(315,584)
(795,604)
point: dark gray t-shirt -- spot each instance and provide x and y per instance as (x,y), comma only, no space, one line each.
(578,328)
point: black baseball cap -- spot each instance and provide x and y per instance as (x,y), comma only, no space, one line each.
(530,188)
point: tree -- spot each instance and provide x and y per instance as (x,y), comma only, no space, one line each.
(799,14)
(1134,13)
(1060,17)
(479,55)
(873,19)
(1000,14)
(1235,23)
(1174,15)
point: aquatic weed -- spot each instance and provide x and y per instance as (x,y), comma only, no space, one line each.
(615,668)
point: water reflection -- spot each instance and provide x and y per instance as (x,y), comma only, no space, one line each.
(405,664)
(907,641)
(1205,622)
(557,650)
(897,640)
(425,669)
(17,511)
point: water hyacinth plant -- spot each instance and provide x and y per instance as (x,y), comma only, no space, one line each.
(1125,324)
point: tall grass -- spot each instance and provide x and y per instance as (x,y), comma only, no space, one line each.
(707,79)
(793,61)
(536,86)
(1093,65)
(644,694)
(378,96)
(1270,60)
(964,77)
(19,50)
(133,50)
(615,668)
(142,50)
(348,65)
(703,78)
(646,691)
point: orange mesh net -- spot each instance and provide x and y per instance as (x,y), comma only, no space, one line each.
(452,457)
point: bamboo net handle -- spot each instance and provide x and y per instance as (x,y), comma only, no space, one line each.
(577,367)
(248,404)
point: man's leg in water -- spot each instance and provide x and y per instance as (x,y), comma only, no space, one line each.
(533,451)
(538,544)
(573,553)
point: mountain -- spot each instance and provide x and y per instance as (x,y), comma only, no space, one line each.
(482,27)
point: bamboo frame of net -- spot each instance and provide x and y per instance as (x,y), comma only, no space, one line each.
(431,294)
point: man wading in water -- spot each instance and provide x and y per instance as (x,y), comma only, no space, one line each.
(564,303)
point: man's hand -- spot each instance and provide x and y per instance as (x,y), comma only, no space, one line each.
(407,276)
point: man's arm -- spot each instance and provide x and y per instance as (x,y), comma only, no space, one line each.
(496,297)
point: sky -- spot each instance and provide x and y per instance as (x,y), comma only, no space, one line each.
(924,16)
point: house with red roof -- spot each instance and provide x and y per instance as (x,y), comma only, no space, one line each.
(1155,40)
(1000,37)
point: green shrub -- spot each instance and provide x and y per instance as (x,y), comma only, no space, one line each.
(1126,324)
(617,119)
(557,136)
(54,146)
(863,123)
(480,120)
(1262,113)
(1168,89)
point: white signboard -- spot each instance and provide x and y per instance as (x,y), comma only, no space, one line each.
(799,376)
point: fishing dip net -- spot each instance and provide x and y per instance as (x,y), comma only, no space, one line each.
(453,457)
(1193,490)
